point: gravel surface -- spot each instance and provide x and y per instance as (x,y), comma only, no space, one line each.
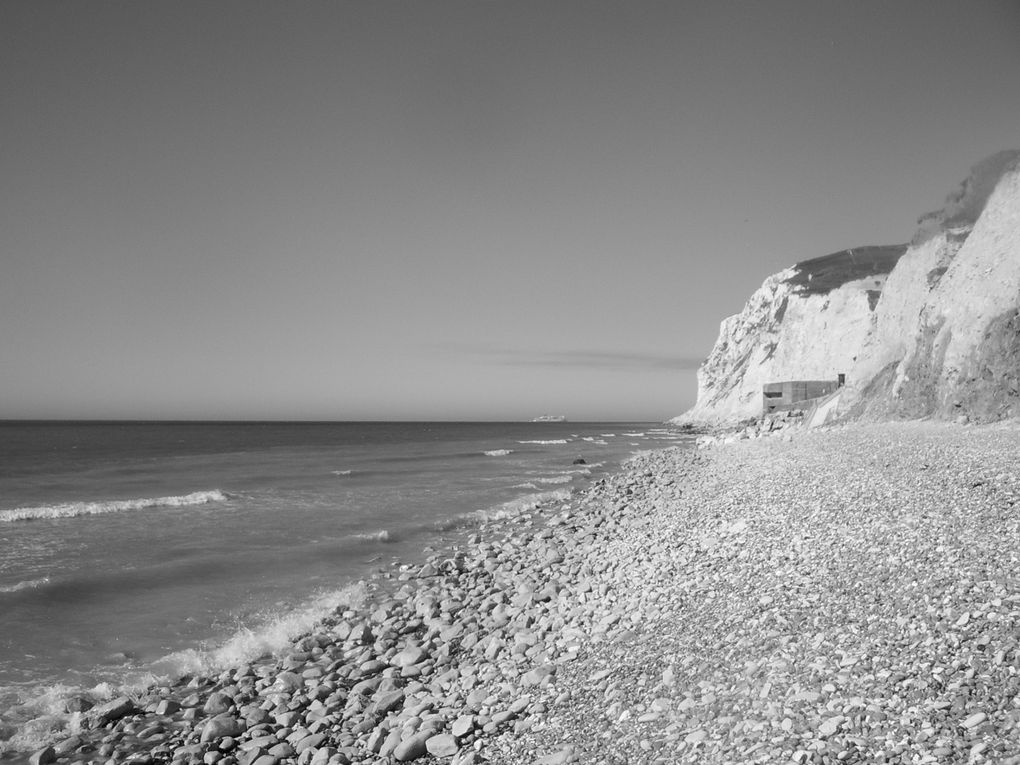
(850,596)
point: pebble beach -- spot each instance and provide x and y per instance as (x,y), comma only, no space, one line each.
(848,595)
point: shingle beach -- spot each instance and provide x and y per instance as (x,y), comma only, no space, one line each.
(851,595)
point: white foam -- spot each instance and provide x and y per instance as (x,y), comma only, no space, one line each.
(633,435)
(39,712)
(522,504)
(341,472)
(584,469)
(498,452)
(73,509)
(637,456)
(374,536)
(551,441)
(562,478)
(248,644)
(28,584)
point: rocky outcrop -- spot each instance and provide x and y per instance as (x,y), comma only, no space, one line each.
(927,329)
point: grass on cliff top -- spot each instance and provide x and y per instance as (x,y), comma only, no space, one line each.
(820,276)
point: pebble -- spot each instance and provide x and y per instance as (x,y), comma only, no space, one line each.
(112,711)
(221,726)
(442,745)
(974,720)
(411,748)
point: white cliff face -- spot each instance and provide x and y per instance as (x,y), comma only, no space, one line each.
(787,331)
(932,329)
(982,281)
(906,291)
(958,348)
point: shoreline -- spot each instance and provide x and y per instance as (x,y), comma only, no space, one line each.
(80,620)
(839,596)
(393,584)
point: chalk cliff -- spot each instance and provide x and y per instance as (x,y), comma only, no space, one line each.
(926,329)
(808,322)
(946,340)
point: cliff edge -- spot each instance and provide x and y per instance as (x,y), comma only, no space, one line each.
(927,329)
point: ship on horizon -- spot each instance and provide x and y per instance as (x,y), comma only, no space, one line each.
(550,418)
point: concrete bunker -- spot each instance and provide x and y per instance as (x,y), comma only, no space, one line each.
(797,394)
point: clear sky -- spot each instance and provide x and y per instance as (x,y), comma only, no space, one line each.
(451,210)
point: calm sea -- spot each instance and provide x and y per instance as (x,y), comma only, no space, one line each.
(133,550)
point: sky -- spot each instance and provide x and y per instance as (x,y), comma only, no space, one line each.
(451,210)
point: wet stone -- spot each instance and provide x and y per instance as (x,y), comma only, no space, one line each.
(220,727)
(217,703)
(43,756)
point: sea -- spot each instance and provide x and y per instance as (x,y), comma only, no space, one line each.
(131,552)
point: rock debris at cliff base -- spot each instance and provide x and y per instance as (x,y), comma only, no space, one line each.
(847,596)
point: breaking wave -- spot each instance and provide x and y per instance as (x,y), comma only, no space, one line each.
(552,441)
(39,713)
(374,536)
(562,478)
(498,452)
(29,584)
(522,504)
(341,472)
(73,509)
(249,643)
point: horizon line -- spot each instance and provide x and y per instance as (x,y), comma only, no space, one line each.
(192,421)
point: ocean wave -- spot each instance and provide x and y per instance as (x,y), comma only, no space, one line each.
(633,435)
(498,452)
(551,441)
(37,713)
(637,456)
(341,472)
(270,637)
(504,510)
(374,536)
(562,478)
(522,504)
(585,469)
(28,584)
(73,509)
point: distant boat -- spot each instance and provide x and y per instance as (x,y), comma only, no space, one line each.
(550,418)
